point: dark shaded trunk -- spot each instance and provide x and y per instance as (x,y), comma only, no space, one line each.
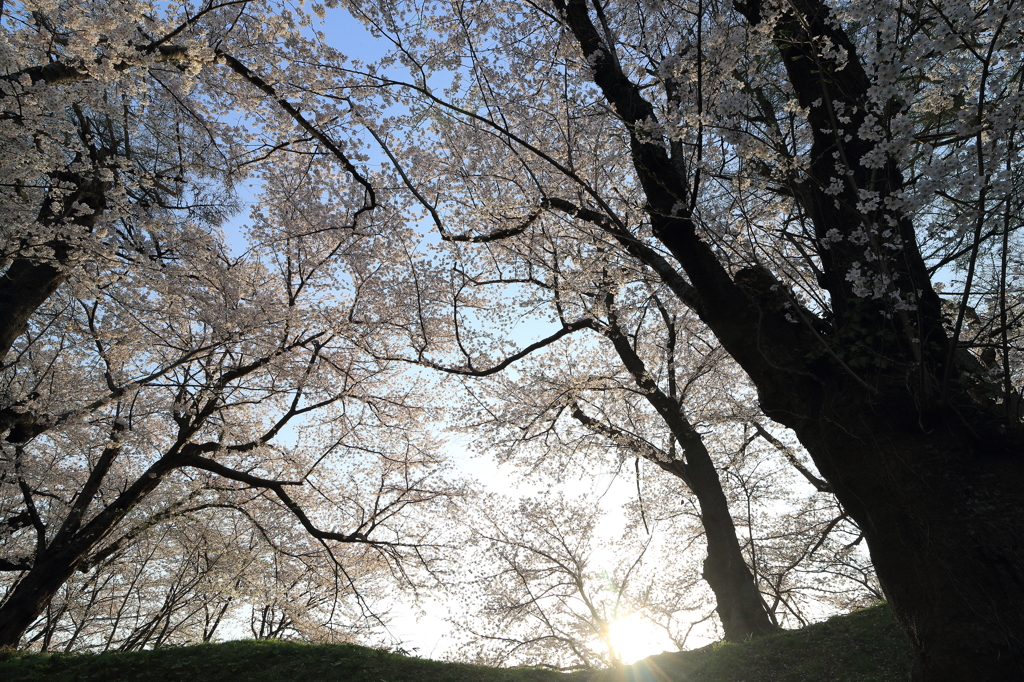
(941,506)
(23,288)
(932,473)
(737,599)
(28,283)
(32,595)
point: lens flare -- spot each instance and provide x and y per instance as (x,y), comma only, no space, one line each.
(635,638)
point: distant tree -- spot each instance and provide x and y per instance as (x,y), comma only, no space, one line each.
(796,546)
(607,400)
(542,589)
(206,575)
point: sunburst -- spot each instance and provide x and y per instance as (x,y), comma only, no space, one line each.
(634,638)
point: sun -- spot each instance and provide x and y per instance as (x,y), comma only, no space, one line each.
(634,638)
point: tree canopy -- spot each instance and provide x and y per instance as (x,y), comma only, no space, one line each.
(828,193)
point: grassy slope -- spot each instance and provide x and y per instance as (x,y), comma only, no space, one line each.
(863,647)
(866,646)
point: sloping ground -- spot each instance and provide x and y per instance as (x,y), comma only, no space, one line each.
(250,661)
(862,647)
(866,646)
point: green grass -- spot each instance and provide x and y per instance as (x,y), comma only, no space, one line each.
(864,647)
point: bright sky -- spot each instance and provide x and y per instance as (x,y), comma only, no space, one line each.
(636,638)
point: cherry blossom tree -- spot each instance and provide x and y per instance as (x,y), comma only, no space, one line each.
(152,373)
(804,176)
(542,593)
(256,399)
(127,127)
(832,188)
(602,400)
(573,412)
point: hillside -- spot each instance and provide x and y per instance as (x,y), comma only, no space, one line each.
(862,647)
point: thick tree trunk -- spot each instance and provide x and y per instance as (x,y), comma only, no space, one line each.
(23,288)
(942,510)
(32,594)
(932,474)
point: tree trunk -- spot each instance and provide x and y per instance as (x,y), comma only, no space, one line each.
(942,511)
(737,599)
(931,473)
(32,594)
(23,288)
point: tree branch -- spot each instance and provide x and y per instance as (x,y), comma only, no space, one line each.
(819,484)
(278,489)
(469,370)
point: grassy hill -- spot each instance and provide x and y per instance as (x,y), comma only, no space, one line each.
(866,646)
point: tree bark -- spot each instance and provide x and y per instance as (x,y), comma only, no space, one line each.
(939,501)
(23,288)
